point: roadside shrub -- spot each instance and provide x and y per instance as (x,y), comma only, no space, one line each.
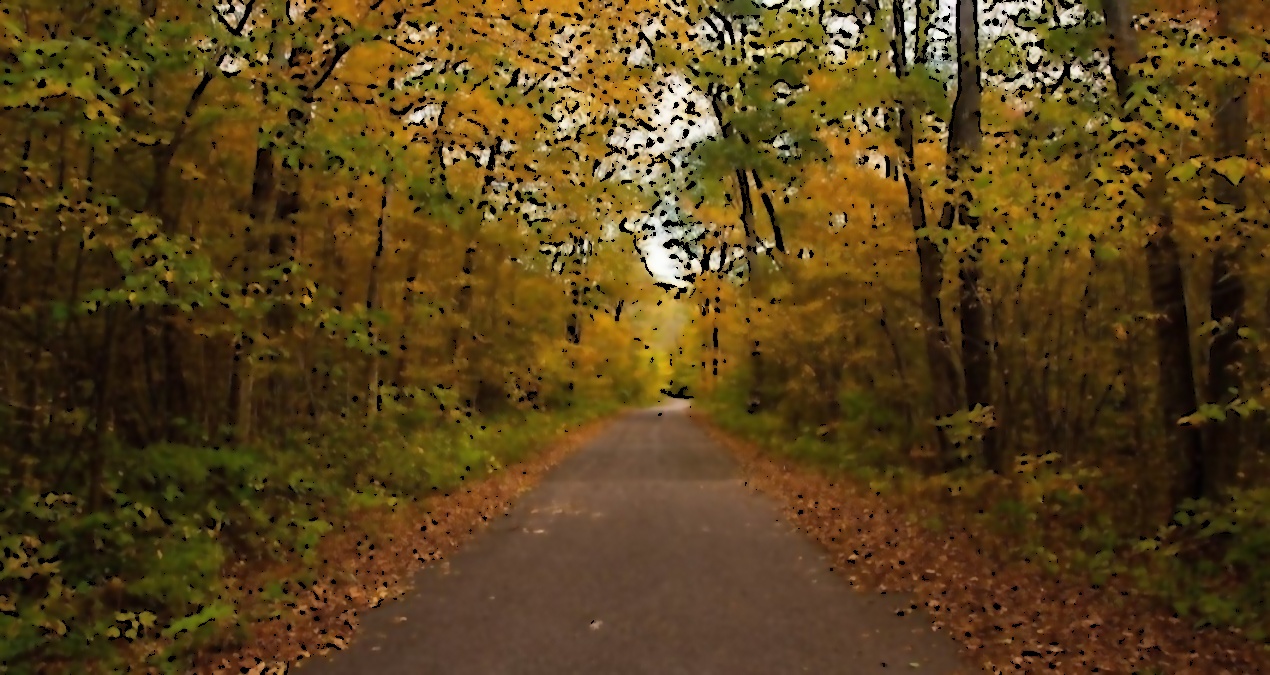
(1210,563)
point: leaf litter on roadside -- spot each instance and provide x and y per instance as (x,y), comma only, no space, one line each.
(1010,619)
(371,561)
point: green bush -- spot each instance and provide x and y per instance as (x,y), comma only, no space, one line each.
(146,557)
(1210,563)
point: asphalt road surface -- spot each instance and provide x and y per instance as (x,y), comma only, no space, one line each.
(641,553)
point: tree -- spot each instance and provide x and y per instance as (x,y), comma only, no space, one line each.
(1228,290)
(1164,268)
(930,258)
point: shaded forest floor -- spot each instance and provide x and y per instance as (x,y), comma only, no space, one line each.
(1010,614)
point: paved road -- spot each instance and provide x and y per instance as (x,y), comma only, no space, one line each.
(642,553)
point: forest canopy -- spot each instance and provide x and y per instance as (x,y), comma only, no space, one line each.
(267,262)
(1012,252)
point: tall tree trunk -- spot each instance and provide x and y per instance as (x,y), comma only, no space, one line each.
(263,187)
(930,260)
(866,11)
(965,134)
(573,330)
(282,232)
(407,313)
(1228,292)
(778,237)
(757,374)
(23,422)
(175,392)
(9,219)
(713,308)
(412,267)
(460,335)
(103,394)
(374,400)
(1164,271)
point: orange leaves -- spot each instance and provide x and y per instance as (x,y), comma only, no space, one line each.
(1011,616)
(487,118)
(824,81)
(842,186)
(723,217)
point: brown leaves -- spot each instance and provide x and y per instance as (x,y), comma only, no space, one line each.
(1009,617)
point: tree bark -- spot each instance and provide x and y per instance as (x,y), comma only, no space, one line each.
(965,134)
(263,187)
(374,400)
(412,267)
(1228,292)
(462,309)
(930,260)
(757,375)
(175,391)
(1164,271)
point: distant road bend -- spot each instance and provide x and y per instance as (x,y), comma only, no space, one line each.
(642,553)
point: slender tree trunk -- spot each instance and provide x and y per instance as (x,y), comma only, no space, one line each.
(263,187)
(778,237)
(76,353)
(175,391)
(573,329)
(282,232)
(374,400)
(407,314)
(460,334)
(901,368)
(1228,291)
(754,283)
(412,268)
(463,303)
(930,260)
(1165,280)
(1177,375)
(757,374)
(157,414)
(103,391)
(9,219)
(965,134)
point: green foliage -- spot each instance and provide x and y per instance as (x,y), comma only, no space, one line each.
(864,443)
(78,578)
(966,428)
(923,87)
(1106,260)
(1210,562)
(244,297)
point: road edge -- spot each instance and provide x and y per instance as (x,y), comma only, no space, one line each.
(385,551)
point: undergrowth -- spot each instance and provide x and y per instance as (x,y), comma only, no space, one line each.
(1068,519)
(144,559)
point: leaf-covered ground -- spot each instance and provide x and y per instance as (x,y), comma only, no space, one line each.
(372,561)
(1011,619)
